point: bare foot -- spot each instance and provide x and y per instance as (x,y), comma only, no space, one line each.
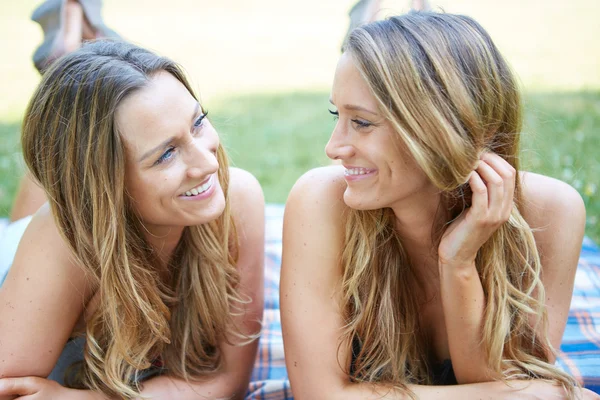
(420,5)
(73,26)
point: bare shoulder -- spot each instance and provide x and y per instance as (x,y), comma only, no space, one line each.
(550,204)
(246,196)
(42,238)
(247,202)
(318,194)
(248,209)
(313,227)
(41,299)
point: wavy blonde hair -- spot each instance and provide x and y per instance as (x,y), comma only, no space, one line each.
(448,93)
(73,148)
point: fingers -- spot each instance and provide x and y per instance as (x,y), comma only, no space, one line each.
(19,386)
(493,186)
(479,202)
(508,174)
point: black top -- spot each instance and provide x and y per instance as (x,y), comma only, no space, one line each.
(441,373)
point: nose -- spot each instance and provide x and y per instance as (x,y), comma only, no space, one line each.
(339,146)
(201,157)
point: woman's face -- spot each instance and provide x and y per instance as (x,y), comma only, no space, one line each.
(379,170)
(171,165)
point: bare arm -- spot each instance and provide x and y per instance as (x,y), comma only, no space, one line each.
(557,214)
(493,185)
(247,205)
(316,360)
(40,301)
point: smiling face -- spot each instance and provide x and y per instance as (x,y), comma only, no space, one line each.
(379,170)
(171,164)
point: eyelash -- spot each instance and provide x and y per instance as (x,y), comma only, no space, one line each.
(169,151)
(360,123)
(198,122)
(165,155)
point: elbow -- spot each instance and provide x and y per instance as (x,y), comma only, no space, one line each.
(482,375)
(320,391)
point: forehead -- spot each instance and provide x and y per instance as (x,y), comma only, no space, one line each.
(349,87)
(158,110)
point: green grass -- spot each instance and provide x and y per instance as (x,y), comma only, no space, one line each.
(11,164)
(265,67)
(561,140)
(279,136)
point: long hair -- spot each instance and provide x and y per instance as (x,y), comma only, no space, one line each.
(73,148)
(449,95)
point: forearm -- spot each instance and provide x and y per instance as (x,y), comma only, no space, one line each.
(485,390)
(463,302)
(167,387)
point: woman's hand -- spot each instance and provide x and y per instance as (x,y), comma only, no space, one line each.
(36,388)
(493,187)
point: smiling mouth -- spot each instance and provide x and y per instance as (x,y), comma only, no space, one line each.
(203,187)
(357,171)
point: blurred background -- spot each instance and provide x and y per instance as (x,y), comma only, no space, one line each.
(263,68)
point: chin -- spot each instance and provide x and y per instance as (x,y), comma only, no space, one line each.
(209,212)
(360,201)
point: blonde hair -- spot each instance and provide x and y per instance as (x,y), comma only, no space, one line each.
(448,93)
(73,148)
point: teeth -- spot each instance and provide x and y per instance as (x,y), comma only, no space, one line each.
(200,189)
(356,171)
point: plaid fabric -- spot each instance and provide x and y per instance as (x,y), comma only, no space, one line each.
(579,353)
(269,379)
(580,349)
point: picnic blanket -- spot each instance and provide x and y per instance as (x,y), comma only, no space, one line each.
(579,353)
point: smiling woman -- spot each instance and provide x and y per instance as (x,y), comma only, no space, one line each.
(427,259)
(143,275)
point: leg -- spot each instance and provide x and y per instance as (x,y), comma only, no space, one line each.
(30,197)
(364,11)
(420,5)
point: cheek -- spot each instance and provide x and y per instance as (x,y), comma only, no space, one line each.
(148,190)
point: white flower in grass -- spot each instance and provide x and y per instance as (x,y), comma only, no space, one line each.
(568,160)
(590,189)
(567,174)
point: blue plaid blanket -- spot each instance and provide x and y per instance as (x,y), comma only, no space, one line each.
(579,352)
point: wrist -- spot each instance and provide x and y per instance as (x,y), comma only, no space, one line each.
(459,268)
(75,394)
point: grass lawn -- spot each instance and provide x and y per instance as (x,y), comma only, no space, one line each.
(265,68)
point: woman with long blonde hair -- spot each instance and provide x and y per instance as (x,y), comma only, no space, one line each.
(142,277)
(427,258)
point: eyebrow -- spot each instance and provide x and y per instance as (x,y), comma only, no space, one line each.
(169,140)
(353,107)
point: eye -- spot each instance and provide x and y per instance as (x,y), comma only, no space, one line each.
(198,122)
(336,115)
(362,123)
(166,156)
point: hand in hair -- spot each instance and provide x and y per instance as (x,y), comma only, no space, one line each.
(463,300)
(493,187)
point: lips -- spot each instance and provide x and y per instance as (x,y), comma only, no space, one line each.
(355,171)
(201,188)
